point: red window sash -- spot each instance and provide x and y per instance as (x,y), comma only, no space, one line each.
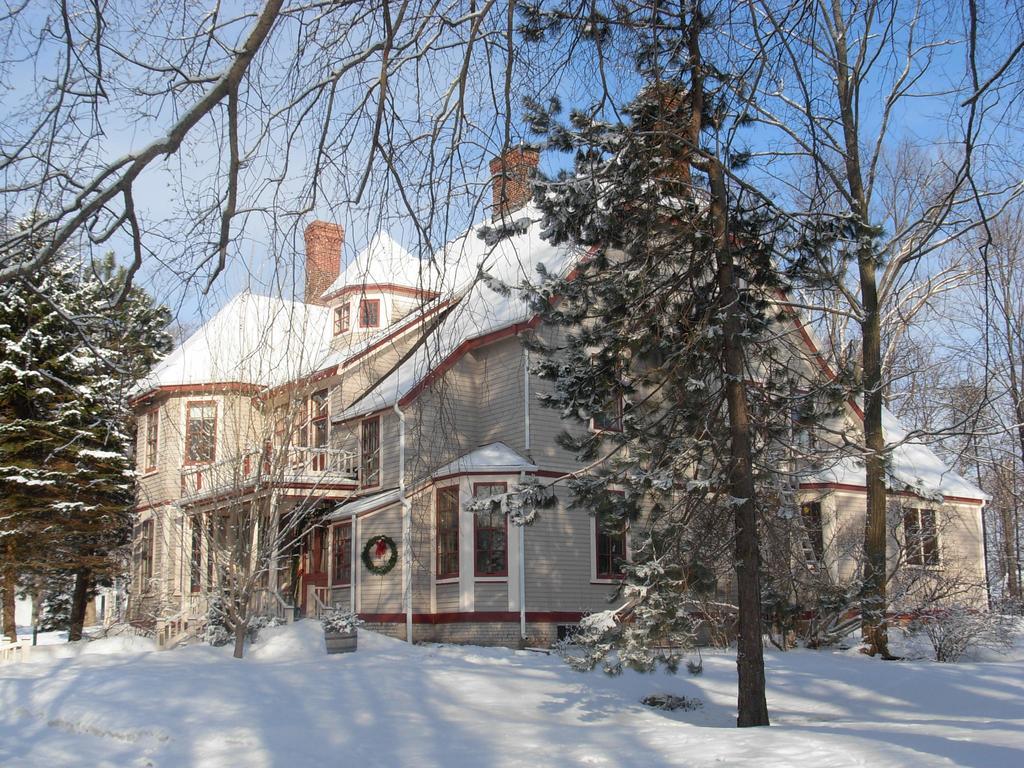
(369,313)
(478,530)
(447,534)
(604,551)
(342,318)
(342,554)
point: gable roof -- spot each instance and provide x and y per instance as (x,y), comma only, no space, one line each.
(493,457)
(912,466)
(253,339)
(382,262)
(481,310)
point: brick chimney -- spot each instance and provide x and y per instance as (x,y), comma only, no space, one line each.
(511,174)
(323,258)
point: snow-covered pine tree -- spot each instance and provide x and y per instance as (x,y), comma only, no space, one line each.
(38,391)
(126,337)
(70,355)
(671,345)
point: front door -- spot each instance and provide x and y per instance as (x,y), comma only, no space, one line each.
(314,571)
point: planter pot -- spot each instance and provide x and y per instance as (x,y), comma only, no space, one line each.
(338,642)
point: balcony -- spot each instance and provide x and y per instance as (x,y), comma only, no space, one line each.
(257,468)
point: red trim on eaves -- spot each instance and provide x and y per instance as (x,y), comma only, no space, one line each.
(465,347)
(815,352)
(402,290)
(850,487)
(215,388)
(334,369)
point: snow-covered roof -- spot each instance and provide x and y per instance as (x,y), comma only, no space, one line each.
(493,457)
(480,311)
(365,503)
(252,339)
(913,466)
(383,261)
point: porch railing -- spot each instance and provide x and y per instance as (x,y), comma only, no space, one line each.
(284,465)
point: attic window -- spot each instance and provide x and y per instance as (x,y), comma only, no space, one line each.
(342,318)
(369,313)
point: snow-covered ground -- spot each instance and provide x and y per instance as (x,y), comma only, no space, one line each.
(116,702)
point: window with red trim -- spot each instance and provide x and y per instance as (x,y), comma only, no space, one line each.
(342,318)
(152,438)
(200,432)
(369,313)
(341,555)
(448,532)
(610,546)
(490,534)
(369,454)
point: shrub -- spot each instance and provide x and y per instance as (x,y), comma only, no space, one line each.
(341,622)
(953,630)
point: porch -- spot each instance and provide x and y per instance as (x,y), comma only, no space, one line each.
(304,467)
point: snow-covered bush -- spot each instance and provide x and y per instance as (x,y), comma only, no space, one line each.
(340,622)
(256,623)
(216,632)
(952,631)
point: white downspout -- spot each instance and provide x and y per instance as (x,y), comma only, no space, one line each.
(522,477)
(406,528)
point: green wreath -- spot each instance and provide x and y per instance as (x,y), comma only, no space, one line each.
(377,546)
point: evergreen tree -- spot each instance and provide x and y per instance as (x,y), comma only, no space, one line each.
(674,342)
(70,355)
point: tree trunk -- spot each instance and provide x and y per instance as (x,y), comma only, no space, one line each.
(79,601)
(873,592)
(240,632)
(752,706)
(10,588)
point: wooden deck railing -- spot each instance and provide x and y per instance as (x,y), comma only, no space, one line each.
(285,465)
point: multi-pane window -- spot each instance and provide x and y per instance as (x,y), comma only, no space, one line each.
(610,546)
(609,418)
(152,437)
(342,318)
(200,432)
(196,564)
(369,313)
(490,534)
(342,554)
(318,423)
(922,537)
(448,533)
(144,551)
(810,514)
(369,455)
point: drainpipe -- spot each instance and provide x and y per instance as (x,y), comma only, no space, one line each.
(406,528)
(522,477)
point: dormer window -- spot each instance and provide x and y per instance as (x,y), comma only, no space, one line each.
(342,318)
(369,313)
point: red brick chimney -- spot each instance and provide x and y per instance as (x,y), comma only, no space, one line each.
(323,258)
(511,173)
